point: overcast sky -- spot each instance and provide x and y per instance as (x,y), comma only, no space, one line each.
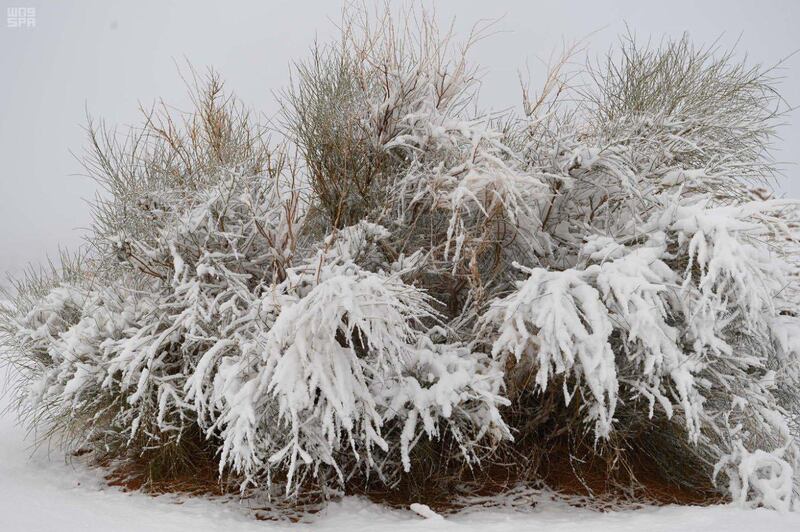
(107,57)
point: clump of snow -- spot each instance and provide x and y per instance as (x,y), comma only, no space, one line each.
(425,511)
(759,478)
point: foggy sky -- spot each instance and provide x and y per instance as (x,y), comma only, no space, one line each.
(108,57)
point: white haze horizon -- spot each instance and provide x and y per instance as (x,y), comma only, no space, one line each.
(108,58)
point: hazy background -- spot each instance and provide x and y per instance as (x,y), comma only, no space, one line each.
(107,57)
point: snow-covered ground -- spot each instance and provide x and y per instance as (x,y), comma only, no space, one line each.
(43,493)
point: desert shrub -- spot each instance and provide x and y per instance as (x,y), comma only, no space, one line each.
(403,291)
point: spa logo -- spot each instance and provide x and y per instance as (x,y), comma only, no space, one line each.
(21,17)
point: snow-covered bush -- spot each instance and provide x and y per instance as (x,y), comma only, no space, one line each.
(403,286)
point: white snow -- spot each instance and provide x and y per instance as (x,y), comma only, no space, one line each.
(40,492)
